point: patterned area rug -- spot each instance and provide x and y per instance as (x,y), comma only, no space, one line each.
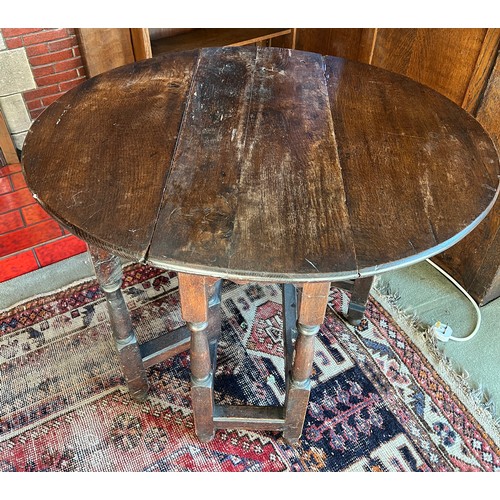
(377,403)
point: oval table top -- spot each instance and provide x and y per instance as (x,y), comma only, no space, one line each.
(262,164)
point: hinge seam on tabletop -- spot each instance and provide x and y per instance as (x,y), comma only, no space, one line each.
(325,80)
(169,171)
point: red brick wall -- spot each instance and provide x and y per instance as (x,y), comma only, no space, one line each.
(55,61)
(29,238)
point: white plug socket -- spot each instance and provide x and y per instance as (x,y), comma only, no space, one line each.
(441,331)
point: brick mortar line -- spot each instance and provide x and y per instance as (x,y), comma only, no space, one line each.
(15,254)
(22,217)
(38,245)
(53,63)
(55,240)
(9,178)
(66,37)
(36,257)
(47,45)
(22,220)
(58,82)
(54,53)
(32,248)
(59,93)
(26,226)
(35,66)
(69,49)
(43,30)
(58,74)
(35,30)
(29,33)
(16,191)
(73,80)
(13,231)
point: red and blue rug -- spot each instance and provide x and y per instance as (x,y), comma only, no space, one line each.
(377,403)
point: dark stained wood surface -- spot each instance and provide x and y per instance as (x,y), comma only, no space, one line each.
(242,169)
(98,157)
(411,161)
(260,163)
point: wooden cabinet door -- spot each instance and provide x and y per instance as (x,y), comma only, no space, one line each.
(105,48)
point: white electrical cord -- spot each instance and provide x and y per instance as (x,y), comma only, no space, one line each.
(478,322)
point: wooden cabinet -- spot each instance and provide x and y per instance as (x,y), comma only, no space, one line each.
(223,37)
(106,48)
(103,49)
(455,62)
(351,43)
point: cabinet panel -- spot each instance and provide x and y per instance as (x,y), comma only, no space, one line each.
(455,62)
(221,37)
(351,43)
(104,48)
(443,59)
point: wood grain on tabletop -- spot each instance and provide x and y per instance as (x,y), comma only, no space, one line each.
(255,178)
(416,168)
(97,157)
(256,169)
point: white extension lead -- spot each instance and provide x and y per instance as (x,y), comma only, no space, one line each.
(444,332)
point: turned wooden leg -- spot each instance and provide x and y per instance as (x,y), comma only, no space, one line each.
(200,298)
(359,298)
(109,274)
(312,307)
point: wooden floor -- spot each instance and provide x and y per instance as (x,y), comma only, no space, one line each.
(29,237)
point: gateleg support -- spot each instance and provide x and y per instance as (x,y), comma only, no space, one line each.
(359,298)
(312,308)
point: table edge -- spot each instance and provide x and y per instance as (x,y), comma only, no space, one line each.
(322,277)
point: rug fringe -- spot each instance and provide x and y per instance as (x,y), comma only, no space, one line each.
(476,398)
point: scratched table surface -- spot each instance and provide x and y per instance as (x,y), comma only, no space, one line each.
(262,164)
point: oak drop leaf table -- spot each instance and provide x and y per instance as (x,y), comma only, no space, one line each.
(256,164)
